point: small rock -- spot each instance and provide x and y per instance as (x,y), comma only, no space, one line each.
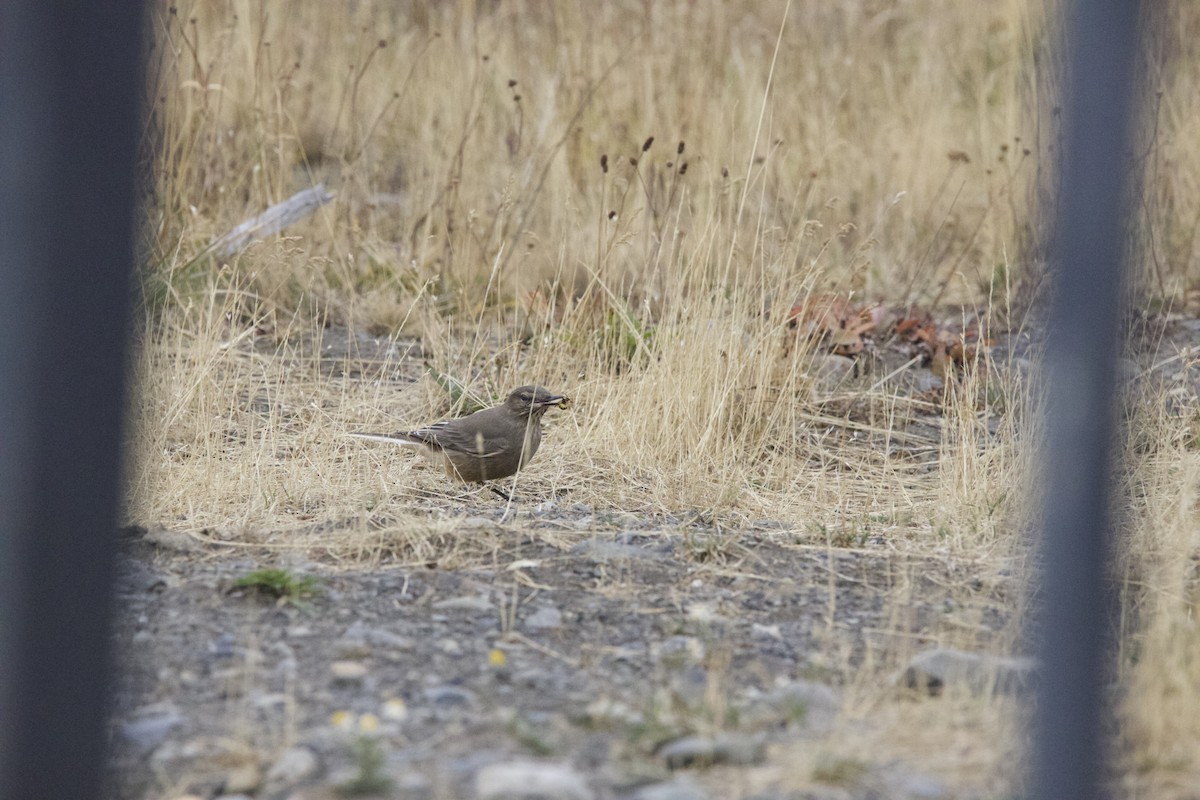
(173,541)
(982,673)
(831,370)
(385,639)
(150,728)
(243,779)
(135,577)
(476,603)
(896,781)
(224,646)
(605,551)
(680,649)
(544,618)
(759,631)
(704,751)
(682,789)
(414,784)
(348,672)
(295,765)
(807,705)
(447,696)
(450,646)
(608,711)
(527,780)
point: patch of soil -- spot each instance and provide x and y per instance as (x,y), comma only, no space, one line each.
(591,649)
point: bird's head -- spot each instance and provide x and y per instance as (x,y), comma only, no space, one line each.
(528,400)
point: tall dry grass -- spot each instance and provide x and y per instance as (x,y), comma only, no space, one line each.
(893,151)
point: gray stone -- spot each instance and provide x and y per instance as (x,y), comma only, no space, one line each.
(447,696)
(173,541)
(606,550)
(243,779)
(682,789)
(806,705)
(981,673)
(350,673)
(296,764)
(546,617)
(150,727)
(527,780)
(705,751)
(481,604)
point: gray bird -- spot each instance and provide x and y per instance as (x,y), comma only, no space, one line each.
(488,445)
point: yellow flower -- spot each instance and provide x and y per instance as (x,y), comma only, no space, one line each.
(496,657)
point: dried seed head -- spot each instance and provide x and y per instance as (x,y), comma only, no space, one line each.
(612,215)
(679,150)
(724,172)
(604,163)
(646,145)
(632,162)
(382,43)
(511,83)
(683,168)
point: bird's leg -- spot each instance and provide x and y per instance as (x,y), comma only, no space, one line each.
(503,495)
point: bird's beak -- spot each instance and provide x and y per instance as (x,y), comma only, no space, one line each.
(555,400)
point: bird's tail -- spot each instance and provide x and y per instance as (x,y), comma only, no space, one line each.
(404,439)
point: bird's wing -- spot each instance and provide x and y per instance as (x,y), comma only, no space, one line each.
(484,434)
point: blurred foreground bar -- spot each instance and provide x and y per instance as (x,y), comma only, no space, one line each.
(70,79)
(1081,368)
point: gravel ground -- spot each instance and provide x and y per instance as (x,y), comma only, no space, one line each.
(612,656)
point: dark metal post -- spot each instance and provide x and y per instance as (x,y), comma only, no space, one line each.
(70,79)
(1081,366)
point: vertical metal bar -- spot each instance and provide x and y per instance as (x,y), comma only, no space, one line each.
(70,79)
(1081,367)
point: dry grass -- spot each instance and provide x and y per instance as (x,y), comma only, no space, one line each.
(892,151)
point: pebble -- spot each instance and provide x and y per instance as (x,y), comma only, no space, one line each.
(605,550)
(293,766)
(447,696)
(348,672)
(981,673)
(243,779)
(544,618)
(150,728)
(475,603)
(173,541)
(807,705)
(527,780)
(704,751)
(682,789)
(759,631)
